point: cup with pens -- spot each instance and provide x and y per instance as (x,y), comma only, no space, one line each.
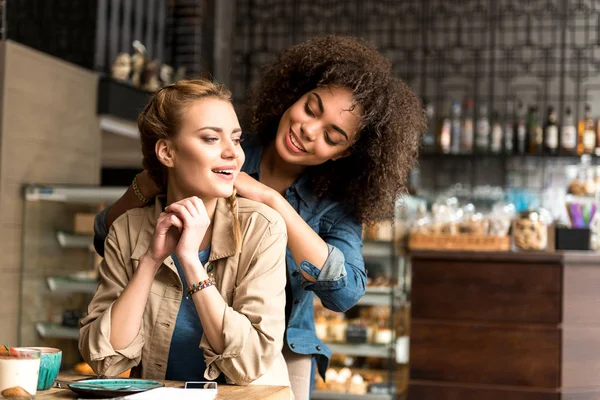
(581,211)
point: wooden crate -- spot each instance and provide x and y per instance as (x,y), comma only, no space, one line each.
(419,241)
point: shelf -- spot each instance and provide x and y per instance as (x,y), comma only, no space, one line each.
(121,100)
(377,296)
(476,156)
(324,395)
(119,126)
(72,241)
(66,194)
(47,330)
(361,349)
(70,285)
(377,249)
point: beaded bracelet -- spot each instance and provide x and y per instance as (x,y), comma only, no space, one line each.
(137,192)
(196,287)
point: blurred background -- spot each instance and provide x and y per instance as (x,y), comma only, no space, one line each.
(484,287)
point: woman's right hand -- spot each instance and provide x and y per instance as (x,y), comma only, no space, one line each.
(166,236)
(148,188)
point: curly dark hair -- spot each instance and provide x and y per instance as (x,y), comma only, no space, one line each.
(375,174)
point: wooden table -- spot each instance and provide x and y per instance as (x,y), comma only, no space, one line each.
(226,392)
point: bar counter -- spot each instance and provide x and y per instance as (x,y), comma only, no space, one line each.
(505,325)
(225,392)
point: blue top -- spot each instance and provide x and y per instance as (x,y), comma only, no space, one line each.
(342,280)
(339,284)
(186,358)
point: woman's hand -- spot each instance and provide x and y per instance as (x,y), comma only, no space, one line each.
(248,187)
(148,188)
(193,214)
(165,238)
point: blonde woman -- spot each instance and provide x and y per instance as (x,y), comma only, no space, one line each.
(193,286)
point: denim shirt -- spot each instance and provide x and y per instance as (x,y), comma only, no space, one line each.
(342,280)
(339,284)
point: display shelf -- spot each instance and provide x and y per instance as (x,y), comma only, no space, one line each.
(119,126)
(376,296)
(361,349)
(325,395)
(66,194)
(373,248)
(476,156)
(71,285)
(48,330)
(72,241)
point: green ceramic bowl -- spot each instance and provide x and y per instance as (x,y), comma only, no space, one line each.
(49,366)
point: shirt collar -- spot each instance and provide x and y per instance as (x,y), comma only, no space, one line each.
(252,168)
(222,243)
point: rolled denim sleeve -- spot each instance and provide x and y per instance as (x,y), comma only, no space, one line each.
(342,280)
(100,231)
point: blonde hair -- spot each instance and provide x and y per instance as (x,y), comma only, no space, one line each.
(162,118)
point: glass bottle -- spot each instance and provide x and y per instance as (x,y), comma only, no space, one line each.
(568,137)
(586,140)
(456,123)
(466,145)
(520,130)
(482,137)
(509,130)
(429,137)
(551,133)
(444,133)
(496,134)
(535,134)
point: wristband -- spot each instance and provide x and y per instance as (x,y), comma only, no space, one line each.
(137,192)
(196,287)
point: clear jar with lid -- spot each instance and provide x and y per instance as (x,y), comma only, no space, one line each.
(531,230)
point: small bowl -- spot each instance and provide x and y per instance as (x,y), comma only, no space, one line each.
(19,370)
(49,366)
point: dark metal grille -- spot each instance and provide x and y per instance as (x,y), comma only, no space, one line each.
(89,33)
(542,52)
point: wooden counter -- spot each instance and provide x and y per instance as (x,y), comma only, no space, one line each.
(226,392)
(505,326)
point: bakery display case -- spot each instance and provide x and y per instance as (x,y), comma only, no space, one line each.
(370,342)
(58,263)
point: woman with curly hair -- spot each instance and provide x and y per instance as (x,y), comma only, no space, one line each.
(335,136)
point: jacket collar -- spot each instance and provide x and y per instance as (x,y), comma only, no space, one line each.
(222,242)
(252,168)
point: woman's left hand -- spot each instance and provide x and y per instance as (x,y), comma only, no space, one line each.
(250,188)
(193,215)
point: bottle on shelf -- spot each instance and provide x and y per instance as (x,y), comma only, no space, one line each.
(429,137)
(568,135)
(455,133)
(586,141)
(496,135)
(482,135)
(535,134)
(597,149)
(520,130)
(466,144)
(509,129)
(551,133)
(443,141)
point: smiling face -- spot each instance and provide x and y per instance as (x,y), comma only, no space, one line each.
(320,126)
(205,156)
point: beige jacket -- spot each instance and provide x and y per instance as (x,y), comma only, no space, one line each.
(252,283)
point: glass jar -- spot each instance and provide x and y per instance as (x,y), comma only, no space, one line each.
(530,230)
